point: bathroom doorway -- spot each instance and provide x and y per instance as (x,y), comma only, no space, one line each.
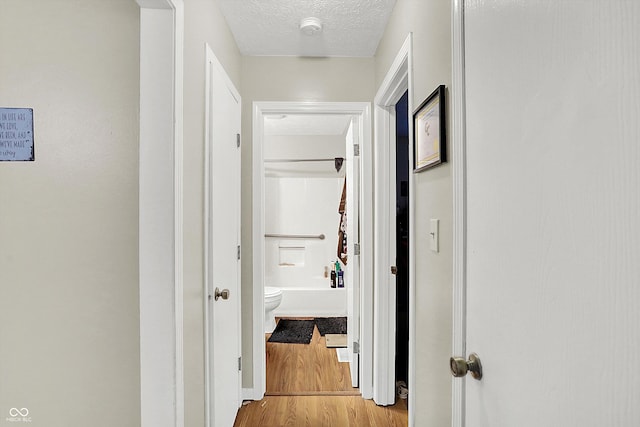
(305,179)
(305,157)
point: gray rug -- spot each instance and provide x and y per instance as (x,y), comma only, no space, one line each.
(293,331)
(331,325)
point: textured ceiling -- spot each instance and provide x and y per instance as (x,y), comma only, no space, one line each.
(351,28)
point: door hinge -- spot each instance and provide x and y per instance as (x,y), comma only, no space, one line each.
(240,363)
(238,251)
(356,248)
(238,140)
(356,149)
(356,347)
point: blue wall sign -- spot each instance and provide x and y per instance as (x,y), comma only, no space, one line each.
(16,134)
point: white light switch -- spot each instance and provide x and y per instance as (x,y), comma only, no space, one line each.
(434,235)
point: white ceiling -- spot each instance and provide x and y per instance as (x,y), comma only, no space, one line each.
(306,124)
(351,28)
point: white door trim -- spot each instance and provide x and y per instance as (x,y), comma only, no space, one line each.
(363,110)
(212,62)
(399,79)
(458,127)
(161,254)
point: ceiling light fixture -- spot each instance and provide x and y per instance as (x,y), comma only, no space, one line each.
(311,26)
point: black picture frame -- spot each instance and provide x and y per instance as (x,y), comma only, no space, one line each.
(430,132)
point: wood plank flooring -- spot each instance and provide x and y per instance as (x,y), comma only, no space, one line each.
(308,387)
(320,411)
(304,369)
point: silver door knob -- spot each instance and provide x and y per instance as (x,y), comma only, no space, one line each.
(221,293)
(460,367)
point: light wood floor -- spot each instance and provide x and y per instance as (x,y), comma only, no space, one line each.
(306,369)
(308,387)
(320,411)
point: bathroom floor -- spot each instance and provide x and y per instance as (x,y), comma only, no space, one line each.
(306,369)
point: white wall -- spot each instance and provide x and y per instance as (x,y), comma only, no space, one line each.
(287,79)
(204,23)
(430,22)
(69,308)
(299,205)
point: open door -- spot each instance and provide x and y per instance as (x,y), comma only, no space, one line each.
(353,251)
(553,238)
(222,206)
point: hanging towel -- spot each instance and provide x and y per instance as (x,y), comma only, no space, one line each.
(343,199)
(342,228)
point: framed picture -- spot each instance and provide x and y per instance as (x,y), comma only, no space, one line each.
(429,132)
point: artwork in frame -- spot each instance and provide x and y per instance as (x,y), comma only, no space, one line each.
(429,132)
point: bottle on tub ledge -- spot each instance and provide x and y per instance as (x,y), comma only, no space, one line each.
(333,276)
(340,275)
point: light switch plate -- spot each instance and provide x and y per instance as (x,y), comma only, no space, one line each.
(434,235)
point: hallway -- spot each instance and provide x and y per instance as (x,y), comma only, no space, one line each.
(523,242)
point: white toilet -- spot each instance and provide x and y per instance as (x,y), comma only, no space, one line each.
(272,299)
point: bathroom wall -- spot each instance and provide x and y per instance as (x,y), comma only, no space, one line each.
(303,198)
(301,205)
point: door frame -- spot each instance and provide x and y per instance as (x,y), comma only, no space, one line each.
(459,165)
(161,216)
(211,86)
(398,80)
(363,110)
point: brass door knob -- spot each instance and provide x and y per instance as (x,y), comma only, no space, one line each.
(460,367)
(221,293)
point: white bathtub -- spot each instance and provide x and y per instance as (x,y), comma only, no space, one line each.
(312,302)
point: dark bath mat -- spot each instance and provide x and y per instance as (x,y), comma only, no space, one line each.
(331,325)
(293,331)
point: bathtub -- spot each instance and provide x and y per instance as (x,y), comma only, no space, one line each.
(312,302)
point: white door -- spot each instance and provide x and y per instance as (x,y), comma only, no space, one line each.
(223,239)
(353,239)
(553,212)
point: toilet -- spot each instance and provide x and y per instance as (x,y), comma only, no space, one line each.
(272,299)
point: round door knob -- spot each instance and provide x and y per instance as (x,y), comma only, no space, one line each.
(460,367)
(221,293)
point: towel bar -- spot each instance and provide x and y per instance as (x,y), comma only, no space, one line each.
(296,236)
